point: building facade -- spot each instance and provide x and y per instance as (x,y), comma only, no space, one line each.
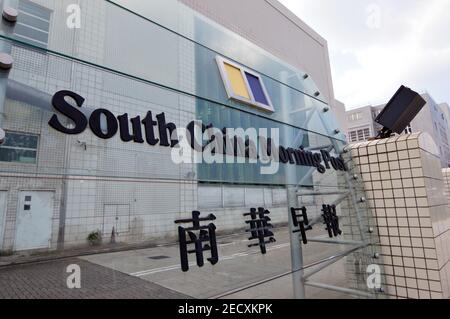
(97,99)
(83,194)
(433,119)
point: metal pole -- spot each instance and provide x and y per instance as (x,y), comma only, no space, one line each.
(340,289)
(318,193)
(335,241)
(292,197)
(332,261)
(296,247)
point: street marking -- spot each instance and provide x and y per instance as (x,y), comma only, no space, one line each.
(175,267)
(224,245)
(278,247)
(157,270)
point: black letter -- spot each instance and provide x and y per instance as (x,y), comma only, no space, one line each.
(326,158)
(309,157)
(149,125)
(318,163)
(291,155)
(342,165)
(192,138)
(125,129)
(111,122)
(60,104)
(300,157)
(334,163)
(163,127)
(284,155)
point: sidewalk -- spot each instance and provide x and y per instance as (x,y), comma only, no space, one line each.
(155,273)
(47,280)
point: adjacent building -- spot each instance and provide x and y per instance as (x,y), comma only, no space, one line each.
(434,119)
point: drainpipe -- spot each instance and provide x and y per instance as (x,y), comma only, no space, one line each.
(9,18)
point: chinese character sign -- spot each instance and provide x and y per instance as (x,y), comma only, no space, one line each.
(198,235)
(260,228)
(301,222)
(331,220)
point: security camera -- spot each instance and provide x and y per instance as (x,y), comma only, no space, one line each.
(2,136)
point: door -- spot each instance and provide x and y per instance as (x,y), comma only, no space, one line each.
(3,199)
(34,220)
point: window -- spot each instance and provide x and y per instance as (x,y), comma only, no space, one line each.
(355,117)
(19,148)
(33,24)
(359,135)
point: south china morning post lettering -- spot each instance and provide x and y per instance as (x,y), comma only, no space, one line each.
(208,143)
(200,143)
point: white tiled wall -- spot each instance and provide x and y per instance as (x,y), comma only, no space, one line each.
(405,189)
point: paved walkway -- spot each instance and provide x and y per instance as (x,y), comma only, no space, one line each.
(238,267)
(154,273)
(48,280)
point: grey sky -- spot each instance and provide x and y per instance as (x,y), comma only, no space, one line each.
(377,45)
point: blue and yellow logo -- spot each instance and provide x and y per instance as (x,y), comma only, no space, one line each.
(244,85)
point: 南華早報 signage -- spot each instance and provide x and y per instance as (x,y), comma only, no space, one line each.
(157,131)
